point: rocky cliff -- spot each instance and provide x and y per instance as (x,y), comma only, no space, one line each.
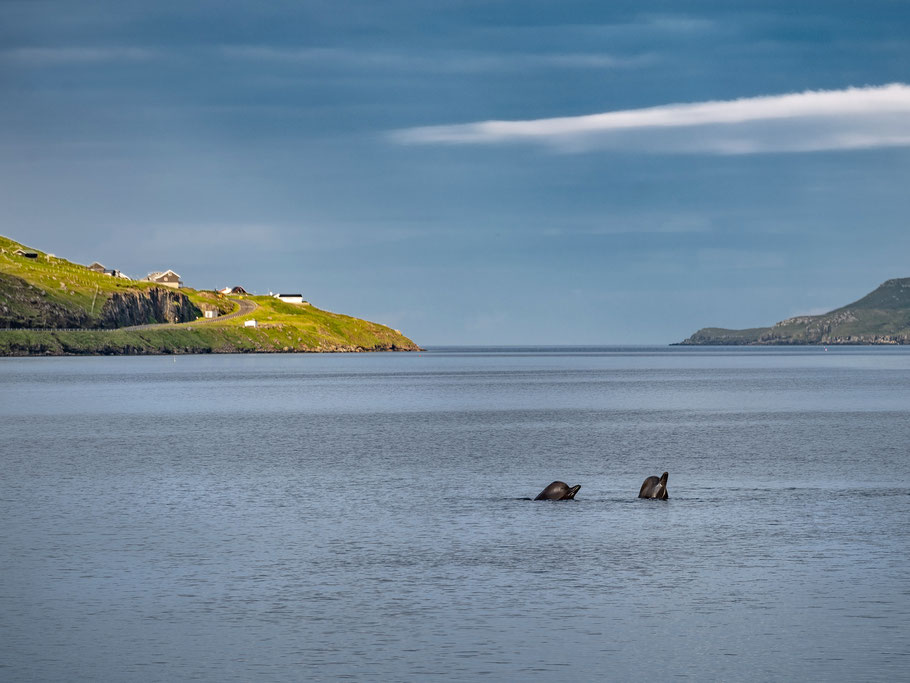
(144,306)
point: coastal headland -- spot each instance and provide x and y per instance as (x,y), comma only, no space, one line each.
(51,306)
(880,317)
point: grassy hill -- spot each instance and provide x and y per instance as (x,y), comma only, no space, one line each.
(51,306)
(880,317)
(51,292)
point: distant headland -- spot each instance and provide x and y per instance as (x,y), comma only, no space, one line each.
(51,306)
(880,317)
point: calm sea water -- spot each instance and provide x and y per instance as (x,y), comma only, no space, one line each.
(366,517)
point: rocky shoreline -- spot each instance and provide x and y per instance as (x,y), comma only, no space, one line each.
(159,342)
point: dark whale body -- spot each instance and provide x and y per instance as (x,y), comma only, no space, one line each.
(558,490)
(654,487)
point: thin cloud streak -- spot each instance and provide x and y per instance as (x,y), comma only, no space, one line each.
(52,56)
(441,61)
(854,118)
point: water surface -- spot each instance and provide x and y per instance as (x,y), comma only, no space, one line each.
(366,517)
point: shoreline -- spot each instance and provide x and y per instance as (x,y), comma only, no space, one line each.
(23,343)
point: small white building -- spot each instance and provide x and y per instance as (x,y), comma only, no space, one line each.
(249,323)
(290,298)
(210,313)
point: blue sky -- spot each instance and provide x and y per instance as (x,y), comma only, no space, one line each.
(659,166)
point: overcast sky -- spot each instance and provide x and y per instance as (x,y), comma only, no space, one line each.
(488,172)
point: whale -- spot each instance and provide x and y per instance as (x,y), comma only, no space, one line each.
(558,490)
(654,487)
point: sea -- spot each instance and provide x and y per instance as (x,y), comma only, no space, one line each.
(370,517)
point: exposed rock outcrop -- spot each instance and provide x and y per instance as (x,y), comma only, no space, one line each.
(145,306)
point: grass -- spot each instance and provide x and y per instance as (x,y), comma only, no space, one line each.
(314,328)
(294,327)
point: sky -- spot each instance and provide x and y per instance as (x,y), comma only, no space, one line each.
(471,172)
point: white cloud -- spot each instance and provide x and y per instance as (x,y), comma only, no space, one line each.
(51,56)
(854,118)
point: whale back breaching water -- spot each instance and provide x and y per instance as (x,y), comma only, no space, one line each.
(558,490)
(655,487)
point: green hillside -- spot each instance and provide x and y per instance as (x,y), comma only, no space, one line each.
(51,306)
(880,317)
(51,292)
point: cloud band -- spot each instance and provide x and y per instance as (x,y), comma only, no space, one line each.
(853,118)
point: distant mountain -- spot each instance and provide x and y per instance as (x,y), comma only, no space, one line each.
(880,317)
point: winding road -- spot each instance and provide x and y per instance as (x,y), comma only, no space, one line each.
(245,307)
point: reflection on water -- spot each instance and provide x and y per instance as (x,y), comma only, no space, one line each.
(366,517)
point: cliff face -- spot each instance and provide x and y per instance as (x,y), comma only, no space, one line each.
(144,306)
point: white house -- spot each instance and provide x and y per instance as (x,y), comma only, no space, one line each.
(249,323)
(290,298)
(168,278)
